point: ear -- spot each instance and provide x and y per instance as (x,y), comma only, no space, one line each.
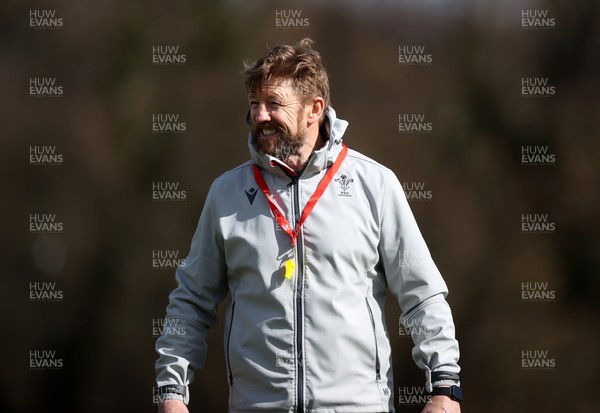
(316,110)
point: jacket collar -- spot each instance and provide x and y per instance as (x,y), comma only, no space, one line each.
(318,161)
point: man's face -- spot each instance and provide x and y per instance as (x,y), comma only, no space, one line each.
(278,119)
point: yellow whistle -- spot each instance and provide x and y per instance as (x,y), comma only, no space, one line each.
(289,268)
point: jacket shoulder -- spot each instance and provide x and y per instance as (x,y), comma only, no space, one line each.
(368,163)
(233,174)
(234,180)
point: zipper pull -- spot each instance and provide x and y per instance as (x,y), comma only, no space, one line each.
(290,266)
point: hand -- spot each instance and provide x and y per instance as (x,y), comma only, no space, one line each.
(441,404)
(172,406)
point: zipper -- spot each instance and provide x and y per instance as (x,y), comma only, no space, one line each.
(228,342)
(299,301)
(377,363)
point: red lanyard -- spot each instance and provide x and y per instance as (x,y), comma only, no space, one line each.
(276,210)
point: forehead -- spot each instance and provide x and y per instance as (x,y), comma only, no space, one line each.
(275,87)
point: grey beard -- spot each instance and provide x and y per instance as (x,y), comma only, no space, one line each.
(283,148)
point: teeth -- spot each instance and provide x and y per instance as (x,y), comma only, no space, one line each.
(268,132)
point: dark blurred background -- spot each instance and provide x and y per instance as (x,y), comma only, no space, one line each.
(85,341)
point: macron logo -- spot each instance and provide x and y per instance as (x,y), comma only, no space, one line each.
(251,194)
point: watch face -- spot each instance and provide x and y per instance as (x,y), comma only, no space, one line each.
(457,393)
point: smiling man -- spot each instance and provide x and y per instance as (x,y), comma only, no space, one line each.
(307,238)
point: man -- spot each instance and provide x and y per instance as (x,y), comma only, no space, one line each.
(307,238)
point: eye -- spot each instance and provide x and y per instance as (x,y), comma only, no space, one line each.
(253,103)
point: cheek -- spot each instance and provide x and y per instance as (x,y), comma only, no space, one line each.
(290,116)
(281,120)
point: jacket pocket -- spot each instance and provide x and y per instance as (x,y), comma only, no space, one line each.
(227,358)
(377,363)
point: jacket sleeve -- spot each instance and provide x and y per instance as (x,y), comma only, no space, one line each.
(415,281)
(192,309)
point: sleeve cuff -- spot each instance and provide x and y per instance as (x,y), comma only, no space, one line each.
(440,379)
(442,383)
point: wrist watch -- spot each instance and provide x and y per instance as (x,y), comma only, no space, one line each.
(454,392)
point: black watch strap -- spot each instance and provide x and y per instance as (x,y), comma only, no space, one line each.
(173,388)
(454,392)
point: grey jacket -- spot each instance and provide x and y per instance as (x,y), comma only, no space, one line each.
(316,342)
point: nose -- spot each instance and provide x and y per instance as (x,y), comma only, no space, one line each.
(261,114)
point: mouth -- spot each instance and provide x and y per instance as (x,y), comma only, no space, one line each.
(268,133)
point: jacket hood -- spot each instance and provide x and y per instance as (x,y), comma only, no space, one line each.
(319,160)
